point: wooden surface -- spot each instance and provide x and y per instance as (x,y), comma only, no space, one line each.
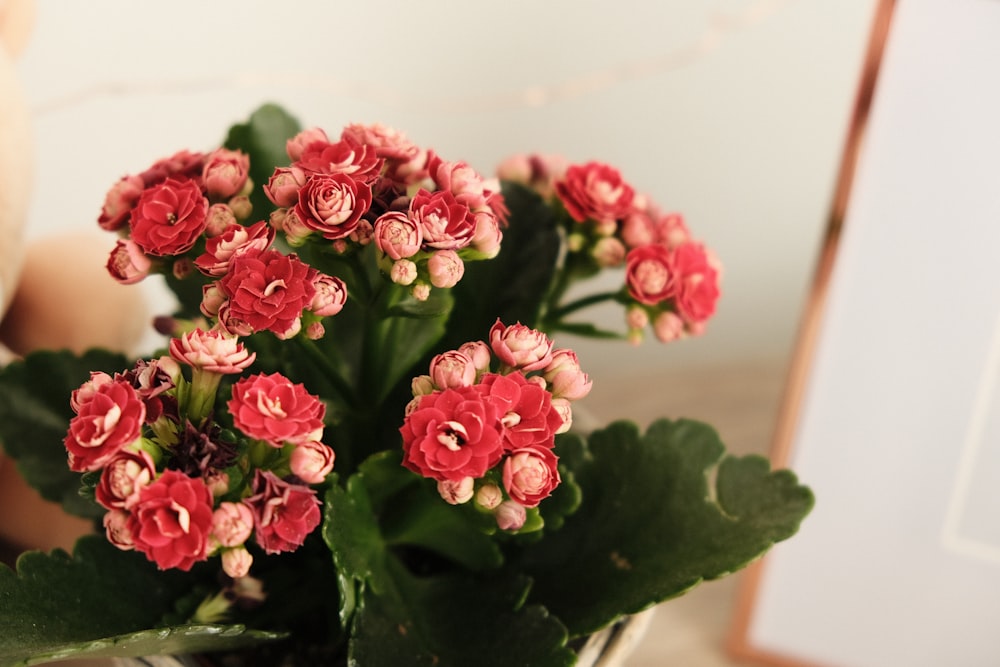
(742,403)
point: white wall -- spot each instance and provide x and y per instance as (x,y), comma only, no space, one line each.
(731,111)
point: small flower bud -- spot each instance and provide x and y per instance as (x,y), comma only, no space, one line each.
(489,496)
(456,492)
(241,207)
(403,272)
(421,291)
(668,326)
(312,461)
(510,515)
(236,562)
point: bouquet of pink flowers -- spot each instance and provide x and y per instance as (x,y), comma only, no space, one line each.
(356,445)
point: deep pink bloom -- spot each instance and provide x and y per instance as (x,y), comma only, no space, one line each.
(649,274)
(105,423)
(220,249)
(284,514)
(397,235)
(387,142)
(119,201)
(332,204)
(453,369)
(298,144)
(525,410)
(697,282)
(183,164)
(330,297)
(232,524)
(213,351)
(225,172)
(169,217)
(127,263)
(595,191)
(268,291)
(452,434)
(346,156)
(87,390)
(273,409)
(172,521)
(530,475)
(445,223)
(123,477)
(521,347)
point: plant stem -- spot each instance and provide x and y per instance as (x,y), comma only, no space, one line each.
(581,303)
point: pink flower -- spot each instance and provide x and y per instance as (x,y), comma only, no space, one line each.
(236,562)
(530,475)
(330,297)
(232,524)
(123,477)
(116,529)
(525,410)
(510,515)
(565,411)
(297,144)
(220,249)
(480,354)
(456,492)
(445,223)
(452,434)
(169,217)
(312,461)
(403,272)
(268,291)
(446,268)
(387,142)
(212,299)
(649,274)
(671,230)
(332,204)
(489,496)
(397,235)
(183,164)
(487,237)
(284,185)
(172,521)
(219,218)
(212,351)
(225,173)
(347,157)
(284,514)
(609,252)
(566,378)
(595,191)
(272,409)
(119,201)
(461,180)
(697,282)
(453,369)
(668,326)
(520,347)
(88,389)
(108,421)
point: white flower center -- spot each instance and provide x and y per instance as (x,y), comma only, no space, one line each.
(452,435)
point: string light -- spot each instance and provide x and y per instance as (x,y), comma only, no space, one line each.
(719,28)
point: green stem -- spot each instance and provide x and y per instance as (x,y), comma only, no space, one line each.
(581,303)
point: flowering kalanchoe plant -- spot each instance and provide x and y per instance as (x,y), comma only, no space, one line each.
(357,442)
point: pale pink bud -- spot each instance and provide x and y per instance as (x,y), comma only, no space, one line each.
(480,354)
(232,524)
(241,207)
(363,233)
(489,496)
(636,317)
(671,230)
(219,218)
(609,252)
(696,328)
(412,406)
(296,232)
(397,235)
(277,219)
(283,186)
(421,291)
(81,396)
(453,369)
(236,562)
(422,385)
(638,229)
(212,299)
(487,237)
(563,359)
(234,240)
(225,172)
(116,528)
(521,347)
(297,144)
(403,272)
(565,412)
(127,263)
(330,297)
(668,326)
(571,385)
(446,268)
(575,242)
(217,482)
(516,168)
(212,351)
(456,492)
(530,475)
(232,325)
(312,461)
(605,227)
(315,331)
(510,515)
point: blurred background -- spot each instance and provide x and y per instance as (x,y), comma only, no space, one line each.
(732,112)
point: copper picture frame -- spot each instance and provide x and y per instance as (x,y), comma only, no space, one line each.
(968,562)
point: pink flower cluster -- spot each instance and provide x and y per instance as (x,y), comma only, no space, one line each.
(671,279)
(483,421)
(425,215)
(166,475)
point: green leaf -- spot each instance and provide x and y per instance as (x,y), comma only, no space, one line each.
(455,621)
(35,414)
(650,527)
(98,602)
(263,138)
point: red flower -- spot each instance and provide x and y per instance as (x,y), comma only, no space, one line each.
(269,290)
(109,420)
(445,222)
(595,191)
(172,521)
(697,282)
(332,204)
(169,217)
(283,514)
(453,434)
(530,475)
(347,156)
(525,410)
(649,274)
(272,409)
(236,238)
